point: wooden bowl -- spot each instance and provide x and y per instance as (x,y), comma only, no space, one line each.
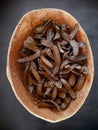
(15,71)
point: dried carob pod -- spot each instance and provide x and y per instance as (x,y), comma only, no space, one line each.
(55,68)
(42,28)
(29,58)
(74,31)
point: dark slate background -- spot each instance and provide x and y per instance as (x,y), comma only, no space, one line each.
(12,115)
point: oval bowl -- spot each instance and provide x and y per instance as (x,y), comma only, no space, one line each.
(15,72)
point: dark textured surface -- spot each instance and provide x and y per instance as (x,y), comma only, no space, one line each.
(12,115)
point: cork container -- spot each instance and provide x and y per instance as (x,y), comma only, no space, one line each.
(15,71)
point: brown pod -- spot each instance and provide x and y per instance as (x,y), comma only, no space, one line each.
(58,101)
(30,81)
(79,83)
(54,93)
(46,62)
(15,72)
(72,79)
(61,95)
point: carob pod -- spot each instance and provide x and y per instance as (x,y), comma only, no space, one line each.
(55,68)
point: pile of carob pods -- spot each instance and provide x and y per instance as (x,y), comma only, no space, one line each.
(55,67)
